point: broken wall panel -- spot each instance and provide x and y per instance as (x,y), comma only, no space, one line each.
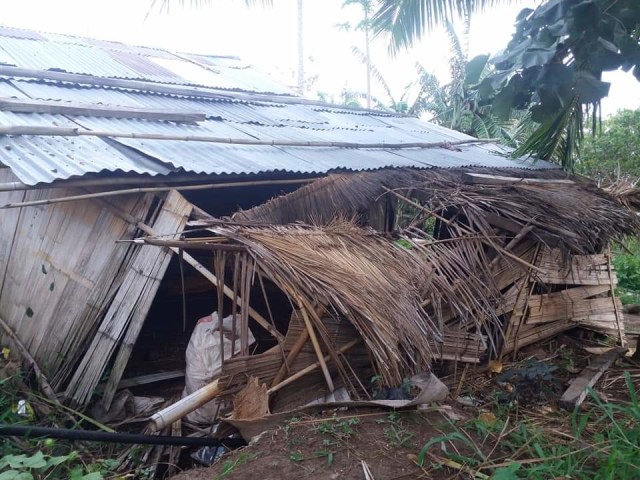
(63,256)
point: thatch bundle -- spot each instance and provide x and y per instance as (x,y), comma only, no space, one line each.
(359,275)
(579,218)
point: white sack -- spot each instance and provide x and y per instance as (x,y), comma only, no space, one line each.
(204,361)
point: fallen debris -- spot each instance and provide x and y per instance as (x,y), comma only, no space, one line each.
(578,390)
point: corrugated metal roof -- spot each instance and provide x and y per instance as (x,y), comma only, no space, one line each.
(38,159)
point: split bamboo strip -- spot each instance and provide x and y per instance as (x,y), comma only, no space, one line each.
(129,307)
(311,367)
(210,186)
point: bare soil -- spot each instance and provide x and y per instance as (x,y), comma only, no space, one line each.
(334,445)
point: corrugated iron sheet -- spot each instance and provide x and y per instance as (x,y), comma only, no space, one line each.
(43,159)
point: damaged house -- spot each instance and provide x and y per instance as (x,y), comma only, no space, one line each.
(142,190)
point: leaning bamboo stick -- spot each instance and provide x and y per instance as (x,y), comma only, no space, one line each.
(42,379)
(77,132)
(111,193)
(302,339)
(200,268)
(311,368)
(316,347)
(184,406)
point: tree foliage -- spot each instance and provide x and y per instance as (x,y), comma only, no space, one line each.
(615,152)
(553,68)
(408,20)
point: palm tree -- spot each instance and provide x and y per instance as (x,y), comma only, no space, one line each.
(457,104)
(408,20)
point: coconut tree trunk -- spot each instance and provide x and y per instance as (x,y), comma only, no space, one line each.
(301,80)
(368,55)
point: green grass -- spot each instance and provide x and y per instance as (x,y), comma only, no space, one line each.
(603,444)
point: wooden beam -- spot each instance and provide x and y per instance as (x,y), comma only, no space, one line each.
(49,131)
(94,110)
(577,391)
(295,350)
(484,179)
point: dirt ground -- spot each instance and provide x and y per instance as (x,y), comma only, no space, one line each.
(334,446)
(484,409)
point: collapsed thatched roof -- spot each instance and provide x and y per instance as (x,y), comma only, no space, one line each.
(577,217)
(356,273)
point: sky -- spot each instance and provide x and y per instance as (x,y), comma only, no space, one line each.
(266,37)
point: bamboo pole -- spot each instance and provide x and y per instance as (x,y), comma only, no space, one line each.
(311,368)
(78,132)
(200,268)
(22,105)
(316,347)
(619,324)
(42,379)
(184,406)
(111,193)
(302,339)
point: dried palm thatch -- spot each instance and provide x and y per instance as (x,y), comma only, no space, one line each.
(356,273)
(625,191)
(578,218)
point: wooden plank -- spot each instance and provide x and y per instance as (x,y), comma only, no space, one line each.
(577,391)
(94,110)
(571,304)
(484,179)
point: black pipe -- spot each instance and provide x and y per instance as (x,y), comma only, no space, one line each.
(108,437)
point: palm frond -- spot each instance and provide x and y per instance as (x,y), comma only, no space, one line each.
(165,5)
(408,20)
(375,73)
(558,138)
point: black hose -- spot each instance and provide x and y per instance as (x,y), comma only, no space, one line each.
(108,437)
